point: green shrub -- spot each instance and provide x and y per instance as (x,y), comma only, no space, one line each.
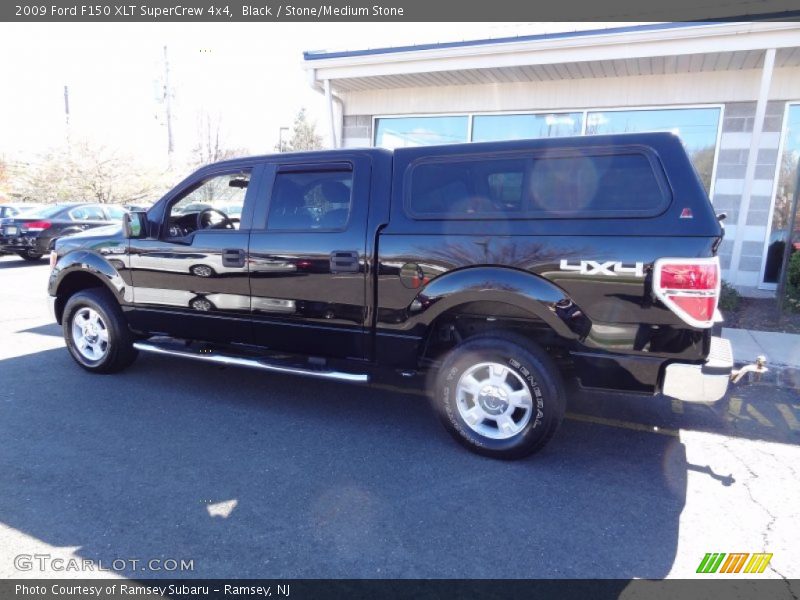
(729,298)
(793,283)
(793,272)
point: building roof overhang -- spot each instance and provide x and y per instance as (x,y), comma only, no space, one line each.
(660,48)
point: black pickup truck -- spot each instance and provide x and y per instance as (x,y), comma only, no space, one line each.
(488,273)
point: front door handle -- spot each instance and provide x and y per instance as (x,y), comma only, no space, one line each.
(344,261)
(233,257)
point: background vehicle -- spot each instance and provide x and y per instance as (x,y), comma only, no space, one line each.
(31,233)
(487,272)
(131,207)
(7,211)
(12,210)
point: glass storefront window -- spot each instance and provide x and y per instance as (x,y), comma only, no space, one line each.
(404,132)
(784,194)
(697,128)
(489,128)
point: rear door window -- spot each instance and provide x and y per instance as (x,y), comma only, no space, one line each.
(310,201)
(87,213)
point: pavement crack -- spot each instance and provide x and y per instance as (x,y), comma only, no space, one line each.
(765,536)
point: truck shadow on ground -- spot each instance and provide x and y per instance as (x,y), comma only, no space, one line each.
(250,474)
(254,475)
(11,263)
(754,411)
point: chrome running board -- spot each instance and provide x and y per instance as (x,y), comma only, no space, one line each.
(264,365)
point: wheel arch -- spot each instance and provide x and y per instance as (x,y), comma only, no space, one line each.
(83,270)
(527,293)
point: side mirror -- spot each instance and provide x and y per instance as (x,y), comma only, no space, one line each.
(134,224)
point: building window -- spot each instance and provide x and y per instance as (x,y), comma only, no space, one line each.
(490,128)
(788,173)
(697,128)
(404,132)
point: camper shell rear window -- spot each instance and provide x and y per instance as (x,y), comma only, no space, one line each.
(552,184)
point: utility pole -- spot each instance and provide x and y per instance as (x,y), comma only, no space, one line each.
(66,114)
(168,107)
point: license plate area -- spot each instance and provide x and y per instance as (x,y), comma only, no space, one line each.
(11,230)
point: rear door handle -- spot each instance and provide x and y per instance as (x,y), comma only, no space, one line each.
(233,257)
(344,261)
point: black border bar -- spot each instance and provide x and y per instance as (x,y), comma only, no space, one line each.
(190,11)
(712,586)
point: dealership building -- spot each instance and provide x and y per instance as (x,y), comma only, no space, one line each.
(731,91)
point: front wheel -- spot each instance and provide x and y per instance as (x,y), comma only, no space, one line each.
(96,332)
(500,395)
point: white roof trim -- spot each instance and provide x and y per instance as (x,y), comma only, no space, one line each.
(711,38)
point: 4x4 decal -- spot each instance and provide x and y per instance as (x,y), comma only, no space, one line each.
(611,268)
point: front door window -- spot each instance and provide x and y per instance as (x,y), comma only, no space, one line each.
(215,204)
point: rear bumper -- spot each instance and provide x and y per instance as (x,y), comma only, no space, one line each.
(706,382)
(20,244)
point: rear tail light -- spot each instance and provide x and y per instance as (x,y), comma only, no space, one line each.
(689,287)
(37,225)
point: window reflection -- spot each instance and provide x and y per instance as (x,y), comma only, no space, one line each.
(404,132)
(697,128)
(784,193)
(489,128)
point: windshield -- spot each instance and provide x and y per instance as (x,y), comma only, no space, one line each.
(44,211)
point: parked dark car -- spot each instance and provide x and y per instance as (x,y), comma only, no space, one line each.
(132,207)
(7,211)
(31,234)
(487,273)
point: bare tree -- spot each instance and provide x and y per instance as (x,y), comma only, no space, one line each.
(211,146)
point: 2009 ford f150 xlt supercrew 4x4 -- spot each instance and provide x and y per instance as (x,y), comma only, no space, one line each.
(491,271)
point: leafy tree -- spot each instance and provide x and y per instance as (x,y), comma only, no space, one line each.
(304,135)
(86,172)
(5,175)
(703,161)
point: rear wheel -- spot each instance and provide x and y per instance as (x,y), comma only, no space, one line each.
(96,332)
(500,395)
(30,255)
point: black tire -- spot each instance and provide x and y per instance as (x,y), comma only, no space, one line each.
(529,365)
(30,255)
(119,350)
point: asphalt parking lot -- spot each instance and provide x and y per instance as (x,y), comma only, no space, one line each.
(256,475)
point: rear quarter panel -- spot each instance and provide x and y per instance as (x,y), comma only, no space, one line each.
(619,305)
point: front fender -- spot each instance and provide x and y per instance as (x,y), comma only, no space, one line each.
(522,289)
(89,263)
